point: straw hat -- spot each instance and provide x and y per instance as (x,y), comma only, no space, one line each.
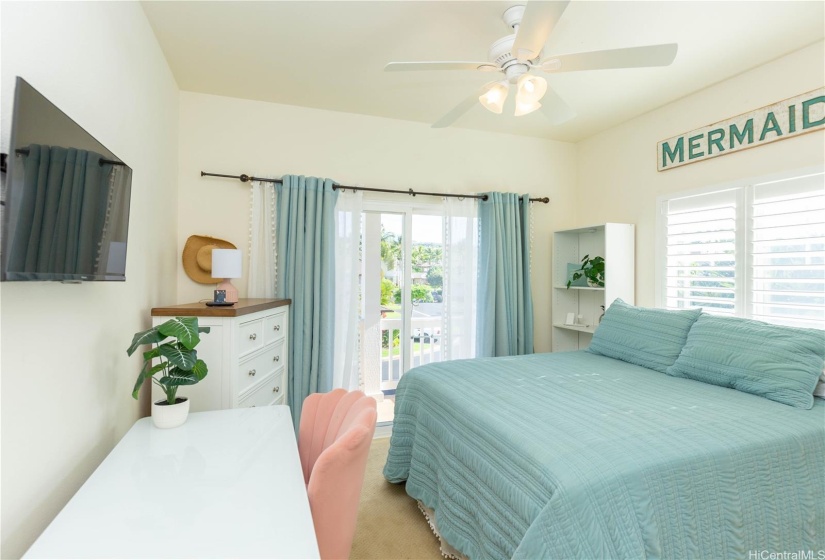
(197,257)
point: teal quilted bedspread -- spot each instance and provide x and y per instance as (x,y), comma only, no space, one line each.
(574,455)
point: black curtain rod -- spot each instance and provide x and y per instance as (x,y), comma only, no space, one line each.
(246,178)
(100,162)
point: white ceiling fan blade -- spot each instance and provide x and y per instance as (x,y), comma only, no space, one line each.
(462,107)
(538,21)
(555,108)
(633,57)
(448,65)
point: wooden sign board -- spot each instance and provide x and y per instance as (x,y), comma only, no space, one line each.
(785,119)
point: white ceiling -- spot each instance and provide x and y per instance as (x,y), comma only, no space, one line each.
(331,55)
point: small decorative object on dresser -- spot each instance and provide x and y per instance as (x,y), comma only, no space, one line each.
(174,356)
(226,264)
(247,352)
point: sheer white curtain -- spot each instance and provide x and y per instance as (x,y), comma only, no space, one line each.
(460,278)
(262,246)
(346,366)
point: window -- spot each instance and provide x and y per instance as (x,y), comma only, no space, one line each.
(755,251)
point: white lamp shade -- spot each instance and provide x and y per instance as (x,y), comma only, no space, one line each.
(226,263)
(530,89)
(493,99)
(526,108)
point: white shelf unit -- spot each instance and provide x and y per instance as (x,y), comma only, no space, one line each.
(616,244)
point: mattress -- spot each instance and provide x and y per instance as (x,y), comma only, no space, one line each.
(574,455)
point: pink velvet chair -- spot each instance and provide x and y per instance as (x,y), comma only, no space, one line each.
(333,442)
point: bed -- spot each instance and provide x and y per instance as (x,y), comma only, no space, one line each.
(577,455)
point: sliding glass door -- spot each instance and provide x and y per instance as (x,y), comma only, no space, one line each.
(402,277)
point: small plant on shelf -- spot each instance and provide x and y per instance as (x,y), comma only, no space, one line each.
(592,270)
(177,359)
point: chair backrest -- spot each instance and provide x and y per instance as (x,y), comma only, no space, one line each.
(334,441)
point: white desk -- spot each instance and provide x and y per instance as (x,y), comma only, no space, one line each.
(227,484)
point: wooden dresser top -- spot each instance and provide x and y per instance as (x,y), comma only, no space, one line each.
(245,306)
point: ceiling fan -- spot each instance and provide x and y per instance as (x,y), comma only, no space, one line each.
(518,54)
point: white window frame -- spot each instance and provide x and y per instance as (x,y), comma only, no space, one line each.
(744,285)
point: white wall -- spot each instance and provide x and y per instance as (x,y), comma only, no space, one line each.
(617,177)
(66,379)
(233,136)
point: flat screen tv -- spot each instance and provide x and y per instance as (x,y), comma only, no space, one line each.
(66,205)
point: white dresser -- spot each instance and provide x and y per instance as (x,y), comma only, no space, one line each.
(246,352)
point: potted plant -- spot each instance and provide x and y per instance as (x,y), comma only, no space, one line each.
(176,360)
(592,270)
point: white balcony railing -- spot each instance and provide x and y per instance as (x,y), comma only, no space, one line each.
(423,346)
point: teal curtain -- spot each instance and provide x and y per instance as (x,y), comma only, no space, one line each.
(505,301)
(306,275)
(62,211)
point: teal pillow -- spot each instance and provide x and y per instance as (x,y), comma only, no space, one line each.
(647,337)
(779,363)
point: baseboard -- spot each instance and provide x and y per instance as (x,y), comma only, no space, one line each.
(383,431)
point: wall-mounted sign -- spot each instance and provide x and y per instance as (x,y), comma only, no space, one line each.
(786,119)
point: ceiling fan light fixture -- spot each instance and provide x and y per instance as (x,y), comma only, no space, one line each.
(530,89)
(493,99)
(526,108)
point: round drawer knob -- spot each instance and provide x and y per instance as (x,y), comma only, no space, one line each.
(253,336)
(276,389)
(276,359)
(252,372)
(277,327)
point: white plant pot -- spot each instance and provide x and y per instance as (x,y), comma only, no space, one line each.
(592,284)
(170,416)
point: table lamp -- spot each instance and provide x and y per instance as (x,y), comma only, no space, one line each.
(226,264)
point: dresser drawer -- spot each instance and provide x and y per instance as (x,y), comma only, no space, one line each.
(251,336)
(275,327)
(257,366)
(266,393)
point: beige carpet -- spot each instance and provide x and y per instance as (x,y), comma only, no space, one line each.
(390,526)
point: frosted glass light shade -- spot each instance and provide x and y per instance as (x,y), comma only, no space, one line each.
(526,108)
(226,263)
(530,89)
(493,99)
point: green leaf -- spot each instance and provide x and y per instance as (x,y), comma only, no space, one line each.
(200,370)
(149,336)
(178,355)
(185,329)
(147,372)
(177,378)
(153,353)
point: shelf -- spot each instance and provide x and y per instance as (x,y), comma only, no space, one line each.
(614,242)
(580,328)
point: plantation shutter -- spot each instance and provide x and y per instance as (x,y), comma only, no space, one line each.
(701,253)
(787,252)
